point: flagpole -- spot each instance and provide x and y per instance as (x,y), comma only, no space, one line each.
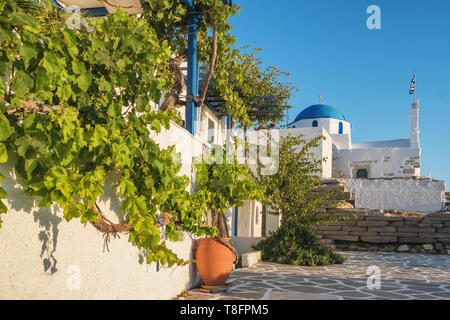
(415,86)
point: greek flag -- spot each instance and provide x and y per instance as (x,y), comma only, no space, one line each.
(413,85)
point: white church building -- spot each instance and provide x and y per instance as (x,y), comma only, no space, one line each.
(380,174)
(378,159)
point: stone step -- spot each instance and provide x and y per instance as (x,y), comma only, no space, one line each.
(345,197)
(251,258)
(342,196)
(325,206)
(334,182)
(326,188)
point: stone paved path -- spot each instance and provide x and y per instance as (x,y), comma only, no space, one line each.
(403,276)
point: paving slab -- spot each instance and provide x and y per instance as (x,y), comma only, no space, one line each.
(402,276)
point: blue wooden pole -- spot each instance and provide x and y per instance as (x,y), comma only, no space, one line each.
(192,76)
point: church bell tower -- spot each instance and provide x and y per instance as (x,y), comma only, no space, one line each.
(414,125)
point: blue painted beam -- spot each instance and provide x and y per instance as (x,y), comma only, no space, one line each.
(95,12)
(192,76)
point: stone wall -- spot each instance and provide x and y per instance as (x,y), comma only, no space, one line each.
(380,230)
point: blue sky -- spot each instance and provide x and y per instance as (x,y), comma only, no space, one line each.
(326,46)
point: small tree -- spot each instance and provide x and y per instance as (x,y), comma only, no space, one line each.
(293,192)
(224,184)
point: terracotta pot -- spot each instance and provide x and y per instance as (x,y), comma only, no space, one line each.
(214,261)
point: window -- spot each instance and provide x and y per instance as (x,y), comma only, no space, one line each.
(341,128)
(211,131)
(362,174)
(315,123)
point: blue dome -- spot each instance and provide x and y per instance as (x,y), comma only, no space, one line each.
(320,111)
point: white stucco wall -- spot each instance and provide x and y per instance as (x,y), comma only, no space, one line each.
(329,124)
(380,162)
(324,150)
(219,131)
(42,253)
(424,195)
(43,256)
(341,141)
(249,219)
(244,244)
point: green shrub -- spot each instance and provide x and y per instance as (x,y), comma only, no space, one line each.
(294,243)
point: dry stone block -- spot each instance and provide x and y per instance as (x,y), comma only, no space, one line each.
(384,218)
(413,219)
(403,248)
(364,234)
(379,239)
(425,225)
(411,224)
(439,216)
(399,234)
(417,240)
(333,233)
(388,248)
(382,229)
(372,223)
(428,247)
(435,235)
(344,223)
(443,230)
(346,238)
(330,228)
(360,229)
(397,223)
(418,230)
